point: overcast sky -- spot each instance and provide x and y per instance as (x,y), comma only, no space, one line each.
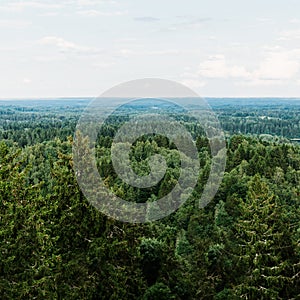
(52,48)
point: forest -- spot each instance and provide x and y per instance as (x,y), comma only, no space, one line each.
(245,244)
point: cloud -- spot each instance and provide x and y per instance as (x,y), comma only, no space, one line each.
(21,5)
(186,23)
(279,66)
(260,82)
(126,40)
(86,2)
(27,80)
(14,23)
(50,14)
(295,21)
(264,20)
(8,49)
(128,52)
(289,35)
(67,46)
(103,65)
(193,19)
(48,58)
(217,67)
(96,13)
(91,2)
(193,83)
(146,19)
(161,52)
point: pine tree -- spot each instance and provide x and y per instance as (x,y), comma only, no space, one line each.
(263,246)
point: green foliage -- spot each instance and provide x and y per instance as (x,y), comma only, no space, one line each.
(158,291)
(55,245)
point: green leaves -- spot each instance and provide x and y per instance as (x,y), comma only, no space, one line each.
(244,244)
(264,245)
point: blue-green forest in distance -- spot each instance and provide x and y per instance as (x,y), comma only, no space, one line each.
(275,116)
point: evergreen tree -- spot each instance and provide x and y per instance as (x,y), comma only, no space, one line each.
(264,248)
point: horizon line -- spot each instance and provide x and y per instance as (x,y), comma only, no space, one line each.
(91,97)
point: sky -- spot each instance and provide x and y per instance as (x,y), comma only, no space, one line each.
(81,48)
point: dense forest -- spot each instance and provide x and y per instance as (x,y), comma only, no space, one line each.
(245,244)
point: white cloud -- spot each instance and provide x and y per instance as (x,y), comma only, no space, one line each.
(217,67)
(126,40)
(96,13)
(87,2)
(187,23)
(91,2)
(295,21)
(193,83)
(27,80)
(21,5)
(8,49)
(50,14)
(67,46)
(290,35)
(146,19)
(125,52)
(260,82)
(279,66)
(48,58)
(264,20)
(14,23)
(103,65)
(161,52)
(57,41)
(128,52)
